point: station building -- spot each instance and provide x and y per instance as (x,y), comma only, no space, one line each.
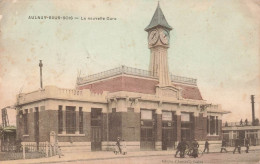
(237,130)
(149,109)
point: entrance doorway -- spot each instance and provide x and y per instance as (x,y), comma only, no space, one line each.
(167,138)
(147,139)
(96,126)
(95,139)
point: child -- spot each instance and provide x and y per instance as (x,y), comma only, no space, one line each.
(124,151)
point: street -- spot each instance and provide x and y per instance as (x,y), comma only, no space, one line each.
(252,157)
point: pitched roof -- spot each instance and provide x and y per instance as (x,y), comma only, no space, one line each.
(158,20)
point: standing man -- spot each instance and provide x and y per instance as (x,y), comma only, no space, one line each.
(246,122)
(118,144)
(206,146)
(195,146)
(241,122)
(237,146)
(247,144)
(223,146)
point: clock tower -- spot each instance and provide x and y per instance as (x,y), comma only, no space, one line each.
(158,43)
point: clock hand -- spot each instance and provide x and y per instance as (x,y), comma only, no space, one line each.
(153,35)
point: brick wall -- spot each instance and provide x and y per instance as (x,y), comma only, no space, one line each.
(123,83)
(48,121)
(200,131)
(20,128)
(31,127)
(138,85)
(104,127)
(131,126)
(115,126)
(205,127)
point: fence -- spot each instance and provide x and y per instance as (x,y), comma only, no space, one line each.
(29,151)
(44,148)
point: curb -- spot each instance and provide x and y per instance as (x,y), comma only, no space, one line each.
(92,159)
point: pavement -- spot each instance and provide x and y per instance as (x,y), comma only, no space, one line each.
(103,155)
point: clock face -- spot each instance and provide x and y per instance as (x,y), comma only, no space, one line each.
(164,36)
(153,37)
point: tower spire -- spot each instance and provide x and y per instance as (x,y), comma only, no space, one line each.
(158,20)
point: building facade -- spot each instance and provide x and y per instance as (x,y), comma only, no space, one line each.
(238,130)
(149,109)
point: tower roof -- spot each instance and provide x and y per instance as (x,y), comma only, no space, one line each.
(158,20)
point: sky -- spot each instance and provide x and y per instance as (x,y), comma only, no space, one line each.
(214,41)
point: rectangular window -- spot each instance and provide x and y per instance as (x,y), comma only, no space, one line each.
(146,115)
(70,119)
(96,116)
(80,120)
(113,110)
(60,120)
(25,121)
(167,116)
(185,117)
(212,125)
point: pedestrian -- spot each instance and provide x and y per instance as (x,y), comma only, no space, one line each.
(246,122)
(226,124)
(178,148)
(237,146)
(241,122)
(183,145)
(223,146)
(206,146)
(195,146)
(247,144)
(118,144)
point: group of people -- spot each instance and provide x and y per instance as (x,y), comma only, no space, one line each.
(183,145)
(193,147)
(238,144)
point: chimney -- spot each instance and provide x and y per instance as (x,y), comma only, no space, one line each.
(40,65)
(253,109)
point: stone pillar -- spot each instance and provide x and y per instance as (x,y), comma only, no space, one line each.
(137,106)
(205,126)
(178,126)
(220,129)
(77,120)
(197,126)
(158,137)
(64,119)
